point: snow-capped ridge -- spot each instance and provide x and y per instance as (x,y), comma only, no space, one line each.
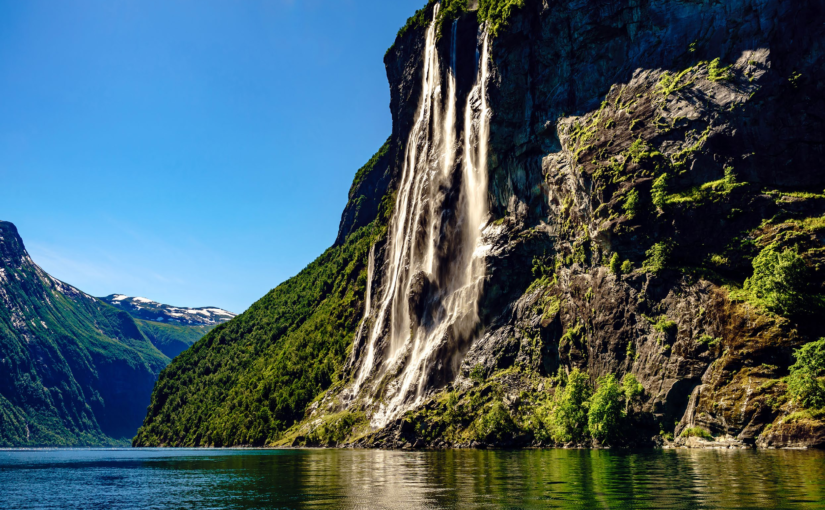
(147,309)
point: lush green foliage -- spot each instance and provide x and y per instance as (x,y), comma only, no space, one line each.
(631,204)
(497,424)
(605,413)
(574,335)
(365,170)
(718,73)
(421,19)
(250,379)
(658,257)
(336,429)
(632,389)
(478,374)
(658,193)
(805,382)
(664,325)
(697,432)
(570,406)
(497,13)
(616,264)
(780,281)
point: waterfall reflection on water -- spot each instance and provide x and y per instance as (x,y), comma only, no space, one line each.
(458,479)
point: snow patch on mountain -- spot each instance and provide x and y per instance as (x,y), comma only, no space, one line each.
(147,309)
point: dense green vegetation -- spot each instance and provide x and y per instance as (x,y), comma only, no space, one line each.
(780,281)
(570,410)
(497,13)
(365,170)
(806,382)
(249,380)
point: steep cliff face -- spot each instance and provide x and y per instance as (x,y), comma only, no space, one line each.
(579,192)
(73,370)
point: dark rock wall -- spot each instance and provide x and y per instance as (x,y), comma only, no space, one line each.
(564,63)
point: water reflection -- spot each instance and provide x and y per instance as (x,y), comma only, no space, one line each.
(325,479)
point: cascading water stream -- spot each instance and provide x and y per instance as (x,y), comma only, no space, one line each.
(433,274)
(400,222)
(368,301)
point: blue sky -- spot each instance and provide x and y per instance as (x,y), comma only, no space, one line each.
(195,152)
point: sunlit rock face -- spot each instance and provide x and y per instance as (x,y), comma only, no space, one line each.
(569,188)
(512,159)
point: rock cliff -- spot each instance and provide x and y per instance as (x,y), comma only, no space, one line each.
(575,194)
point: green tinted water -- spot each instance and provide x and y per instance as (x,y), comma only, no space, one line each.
(326,479)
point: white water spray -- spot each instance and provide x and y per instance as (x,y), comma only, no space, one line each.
(433,275)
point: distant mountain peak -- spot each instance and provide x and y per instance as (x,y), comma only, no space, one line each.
(147,309)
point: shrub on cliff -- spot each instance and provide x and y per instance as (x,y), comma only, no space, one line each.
(632,204)
(632,389)
(805,384)
(658,257)
(779,281)
(616,264)
(496,425)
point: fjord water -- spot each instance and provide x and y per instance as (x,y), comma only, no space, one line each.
(327,479)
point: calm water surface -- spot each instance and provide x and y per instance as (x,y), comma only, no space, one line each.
(326,479)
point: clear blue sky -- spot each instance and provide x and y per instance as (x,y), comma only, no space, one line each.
(195,152)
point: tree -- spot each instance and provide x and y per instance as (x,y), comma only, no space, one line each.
(658,192)
(570,409)
(779,281)
(627,267)
(658,257)
(804,383)
(605,414)
(631,204)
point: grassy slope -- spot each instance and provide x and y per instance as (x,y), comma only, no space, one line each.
(172,339)
(248,380)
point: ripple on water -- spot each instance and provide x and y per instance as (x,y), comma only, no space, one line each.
(354,479)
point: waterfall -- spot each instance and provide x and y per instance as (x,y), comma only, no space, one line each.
(432,274)
(449,119)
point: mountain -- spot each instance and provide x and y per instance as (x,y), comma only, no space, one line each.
(594,223)
(148,310)
(76,370)
(171,329)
